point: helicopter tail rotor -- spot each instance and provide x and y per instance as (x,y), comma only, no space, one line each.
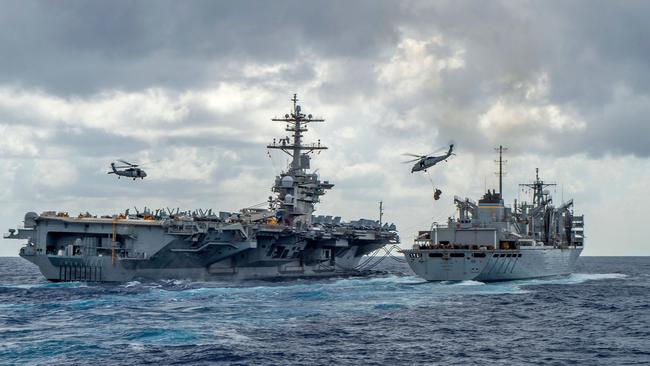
(452,144)
(114,171)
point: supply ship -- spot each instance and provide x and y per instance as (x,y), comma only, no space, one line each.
(283,240)
(489,241)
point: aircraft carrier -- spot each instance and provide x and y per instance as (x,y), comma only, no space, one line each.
(284,239)
(490,241)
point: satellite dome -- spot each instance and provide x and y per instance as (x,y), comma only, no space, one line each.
(30,219)
(288,199)
(287,182)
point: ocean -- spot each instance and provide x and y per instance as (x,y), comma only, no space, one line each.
(598,316)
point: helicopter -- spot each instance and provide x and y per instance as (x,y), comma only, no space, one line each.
(425,162)
(127,170)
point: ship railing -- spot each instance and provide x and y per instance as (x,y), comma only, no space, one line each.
(134,255)
(183,229)
(430,244)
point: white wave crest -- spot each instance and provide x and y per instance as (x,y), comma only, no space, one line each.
(596,276)
(469,283)
(573,279)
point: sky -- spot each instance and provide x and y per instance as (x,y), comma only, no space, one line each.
(189,89)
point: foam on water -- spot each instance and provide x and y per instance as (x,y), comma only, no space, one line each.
(581,277)
(138,347)
(45,285)
(468,283)
(574,278)
(230,336)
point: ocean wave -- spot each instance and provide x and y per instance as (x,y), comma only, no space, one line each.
(389,306)
(571,279)
(385,318)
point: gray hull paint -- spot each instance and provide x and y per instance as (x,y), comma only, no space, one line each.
(513,265)
(93,270)
(153,250)
(101,269)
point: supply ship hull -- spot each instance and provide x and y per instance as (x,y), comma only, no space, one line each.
(492,265)
(283,240)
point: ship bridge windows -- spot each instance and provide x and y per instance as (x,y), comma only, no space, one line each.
(435,255)
(479,255)
(457,255)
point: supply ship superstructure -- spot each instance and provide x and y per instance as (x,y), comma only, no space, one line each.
(490,241)
(283,240)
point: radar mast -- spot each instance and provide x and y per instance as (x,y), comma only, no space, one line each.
(539,196)
(297,124)
(500,173)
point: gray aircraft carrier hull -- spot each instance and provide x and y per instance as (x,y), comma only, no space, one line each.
(81,249)
(64,269)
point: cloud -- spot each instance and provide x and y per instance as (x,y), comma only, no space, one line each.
(86,48)
(189,89)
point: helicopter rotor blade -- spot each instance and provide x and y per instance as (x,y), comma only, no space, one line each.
(414,155)
(439,151)
(410,161)
(127,163)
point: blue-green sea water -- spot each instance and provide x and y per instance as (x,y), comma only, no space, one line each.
(598,316)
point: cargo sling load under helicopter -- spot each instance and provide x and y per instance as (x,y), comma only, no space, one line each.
(284,240)
(492,242)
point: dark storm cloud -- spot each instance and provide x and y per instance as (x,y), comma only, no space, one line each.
(77,47)
(586,49)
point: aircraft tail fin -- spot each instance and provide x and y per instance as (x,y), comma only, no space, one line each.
(114,170)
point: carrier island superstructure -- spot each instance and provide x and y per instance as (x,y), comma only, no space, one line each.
(489,241)
(283,240)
